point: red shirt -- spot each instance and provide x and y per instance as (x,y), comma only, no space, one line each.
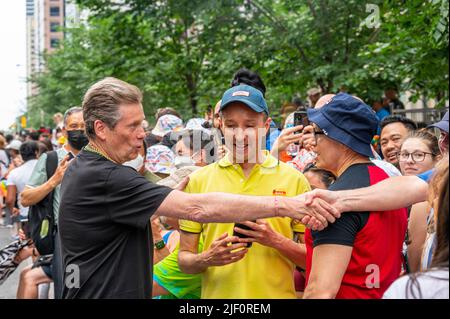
(377,240)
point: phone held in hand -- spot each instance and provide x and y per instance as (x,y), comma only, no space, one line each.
(71,156)
(300,118)
(245,227)
(25,227)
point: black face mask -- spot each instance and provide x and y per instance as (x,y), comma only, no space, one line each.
(77,139)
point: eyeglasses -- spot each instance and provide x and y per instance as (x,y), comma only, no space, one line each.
(416,156)
(318,133)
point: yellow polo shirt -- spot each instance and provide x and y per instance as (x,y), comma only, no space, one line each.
(263,272)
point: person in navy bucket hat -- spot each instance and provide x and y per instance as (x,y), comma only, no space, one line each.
(343,129)
(347,120)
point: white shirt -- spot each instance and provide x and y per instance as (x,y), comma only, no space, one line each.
(388,168)
(433,284)
(19,177)
(4,162)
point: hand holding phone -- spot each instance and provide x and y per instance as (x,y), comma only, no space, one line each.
(300,118)
(25,227)
(245,227)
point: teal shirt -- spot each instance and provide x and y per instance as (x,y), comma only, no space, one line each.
(39,177)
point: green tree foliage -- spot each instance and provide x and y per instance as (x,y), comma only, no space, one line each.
(410,50)
(183,53)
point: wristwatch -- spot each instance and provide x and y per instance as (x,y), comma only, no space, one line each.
(160,244)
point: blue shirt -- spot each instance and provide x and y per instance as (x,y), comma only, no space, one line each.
(381,114)
(426,176)
(272,137)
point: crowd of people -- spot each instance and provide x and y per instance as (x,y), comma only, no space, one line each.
(350,203)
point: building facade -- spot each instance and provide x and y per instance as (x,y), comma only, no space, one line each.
(31,63)
(45,22)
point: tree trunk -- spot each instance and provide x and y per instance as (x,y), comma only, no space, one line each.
(192,91)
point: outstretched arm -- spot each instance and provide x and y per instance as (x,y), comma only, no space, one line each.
(389,194)
(222,207)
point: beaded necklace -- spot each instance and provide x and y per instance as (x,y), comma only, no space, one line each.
(93,149)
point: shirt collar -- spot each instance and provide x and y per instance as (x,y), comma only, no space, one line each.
(269,161)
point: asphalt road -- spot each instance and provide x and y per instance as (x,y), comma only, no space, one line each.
(9,288)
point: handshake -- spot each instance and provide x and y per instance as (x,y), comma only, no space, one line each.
(316,209)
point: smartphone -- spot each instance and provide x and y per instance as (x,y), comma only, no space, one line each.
(301,118)
(25,227)
(242,235)
(71,156)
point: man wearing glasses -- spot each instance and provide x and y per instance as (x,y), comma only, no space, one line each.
(359,256)
(397,192)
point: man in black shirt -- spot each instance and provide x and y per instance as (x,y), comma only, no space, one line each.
(106,207)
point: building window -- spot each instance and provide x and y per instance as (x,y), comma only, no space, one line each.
(54,43)
(54,26)
(54,11)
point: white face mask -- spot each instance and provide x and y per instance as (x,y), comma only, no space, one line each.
(137,163)
(182,161)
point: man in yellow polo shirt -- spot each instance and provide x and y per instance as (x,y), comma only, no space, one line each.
(230,269)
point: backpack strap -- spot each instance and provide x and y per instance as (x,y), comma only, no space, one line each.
(51,163)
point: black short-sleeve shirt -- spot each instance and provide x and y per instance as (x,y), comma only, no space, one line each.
(104,228)
(344,230)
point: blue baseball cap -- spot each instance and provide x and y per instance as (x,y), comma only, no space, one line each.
(348,121)
(246,94)
(442,124)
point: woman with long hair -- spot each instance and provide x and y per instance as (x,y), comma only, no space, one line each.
(432,283)
(418,154)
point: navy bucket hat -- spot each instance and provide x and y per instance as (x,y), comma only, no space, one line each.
(348,121)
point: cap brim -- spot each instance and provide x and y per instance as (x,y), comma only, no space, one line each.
(442,125)
(251,105)
(315,116)
(157,132)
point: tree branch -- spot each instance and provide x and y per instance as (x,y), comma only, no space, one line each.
(281,27)
(347,43)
